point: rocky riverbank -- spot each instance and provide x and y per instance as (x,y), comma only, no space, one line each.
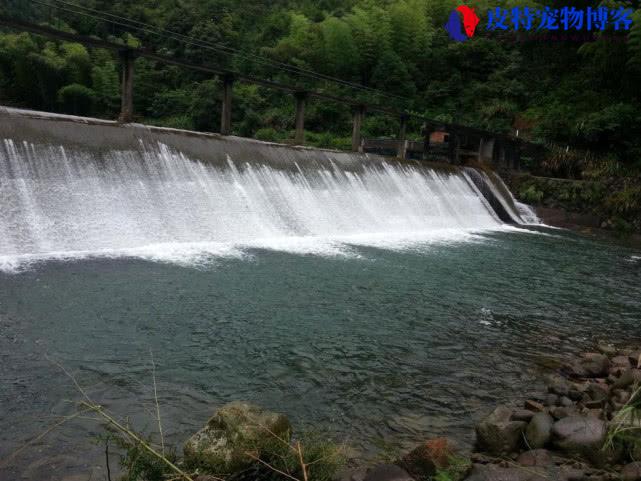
(585,426)
(582,428)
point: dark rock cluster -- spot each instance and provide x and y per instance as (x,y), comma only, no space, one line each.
(565,433)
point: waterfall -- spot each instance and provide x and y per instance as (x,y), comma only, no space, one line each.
(69,199)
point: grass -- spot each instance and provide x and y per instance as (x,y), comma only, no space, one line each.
(625,428)
(455,471)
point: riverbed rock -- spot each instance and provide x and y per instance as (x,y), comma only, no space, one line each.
(621,361)
(497,433)
(492,472)
(578,435)
(234,429)
(628,378)
(424,460)
(535,457)
(524,415)
(539,430)
(597,391)
(558,385)
(534,406)
(387,472)
(560,412)
(631,472)
(590,365)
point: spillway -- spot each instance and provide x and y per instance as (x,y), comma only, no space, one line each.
(74,187)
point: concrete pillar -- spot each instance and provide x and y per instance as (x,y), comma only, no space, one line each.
(401,150)
(427,133)
(486,150)
(454,147)
(225,114)
(127,59)
(357,116)
(299,137)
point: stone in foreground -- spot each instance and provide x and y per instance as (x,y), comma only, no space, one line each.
(631,472)
(497,433)
(495,473)
(578,435)
(235,429)
(538,432)
(424,460)
(388,472)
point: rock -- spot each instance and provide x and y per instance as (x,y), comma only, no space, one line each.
(424,460)
(575,394)
(589,366)
(635,359)
(607,349)
(565,401)
(580,435)
(568,473)
(236,427)
(561,412)
(536,457)
(621,361)
(534,406)
(522,415)
(497,433)
(596,365)
(387,472)
(631,472)
(353,475)
(538,431)
(492,472)
(558,385)
(629,377)
(594,413)
(597,391)
(620,395)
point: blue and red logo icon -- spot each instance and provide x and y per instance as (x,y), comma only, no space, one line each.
(462,16)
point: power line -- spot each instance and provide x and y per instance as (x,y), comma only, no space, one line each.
(144,27)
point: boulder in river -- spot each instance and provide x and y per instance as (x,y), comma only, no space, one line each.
(578,435)
(424,460)
(497,433)
(387,472)
(539,430)
(236,429)
(631,472)
(590,365)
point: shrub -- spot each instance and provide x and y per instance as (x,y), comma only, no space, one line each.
(531,195)
(76,99)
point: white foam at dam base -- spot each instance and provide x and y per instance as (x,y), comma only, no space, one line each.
(153,202)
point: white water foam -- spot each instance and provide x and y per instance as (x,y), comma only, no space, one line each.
(155,203)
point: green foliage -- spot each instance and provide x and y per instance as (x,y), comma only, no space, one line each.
(581,94)
(137,463)
(456,470)
(531,195)
(267,459)
(625,429)
(76,99)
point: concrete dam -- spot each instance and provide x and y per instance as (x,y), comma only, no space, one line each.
(75,187)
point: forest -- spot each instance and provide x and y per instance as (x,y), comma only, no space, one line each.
(573,92)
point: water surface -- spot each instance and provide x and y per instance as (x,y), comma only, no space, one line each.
(379,346)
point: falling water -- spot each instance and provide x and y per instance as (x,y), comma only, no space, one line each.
(151,200)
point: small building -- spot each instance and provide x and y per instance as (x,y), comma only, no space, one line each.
(439,137)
